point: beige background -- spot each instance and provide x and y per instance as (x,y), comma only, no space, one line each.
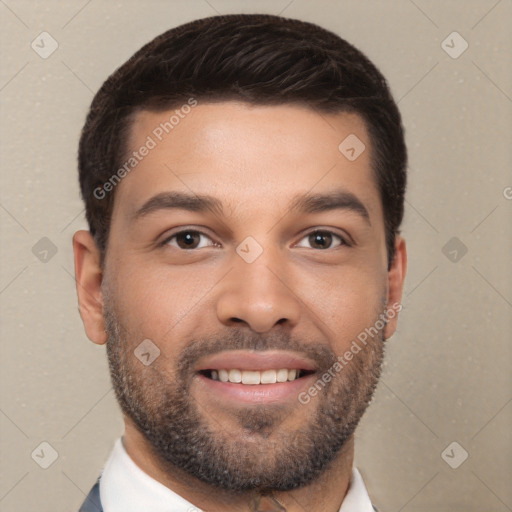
(447,376)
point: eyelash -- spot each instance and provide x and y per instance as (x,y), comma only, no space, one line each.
(343,241)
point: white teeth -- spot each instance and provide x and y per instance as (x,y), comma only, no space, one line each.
(250,377)
(268,377)
(235,376)
(282,375)
(255,377)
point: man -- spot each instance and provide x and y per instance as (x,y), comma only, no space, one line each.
(244,181)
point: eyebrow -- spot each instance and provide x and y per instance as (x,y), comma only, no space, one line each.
(336,200)
(179,200)
(306,203)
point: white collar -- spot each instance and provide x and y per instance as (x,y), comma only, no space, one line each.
(124,487)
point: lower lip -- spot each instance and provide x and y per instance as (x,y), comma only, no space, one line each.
(256,393)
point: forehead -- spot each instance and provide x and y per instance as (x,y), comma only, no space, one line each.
(246,155)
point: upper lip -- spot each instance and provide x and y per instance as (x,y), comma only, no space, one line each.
(252,360)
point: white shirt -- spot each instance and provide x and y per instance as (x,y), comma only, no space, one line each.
(124,487)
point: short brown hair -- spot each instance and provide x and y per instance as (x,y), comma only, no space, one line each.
(259,59)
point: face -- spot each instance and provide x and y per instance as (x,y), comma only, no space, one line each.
(246,247)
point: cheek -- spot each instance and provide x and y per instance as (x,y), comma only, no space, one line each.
(159,303)
(344,302)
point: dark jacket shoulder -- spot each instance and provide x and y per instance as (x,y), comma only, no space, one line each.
(92,503)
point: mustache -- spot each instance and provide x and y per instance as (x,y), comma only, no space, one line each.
(239,339)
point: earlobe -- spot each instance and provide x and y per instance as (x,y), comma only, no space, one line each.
(88,277)
(396,277)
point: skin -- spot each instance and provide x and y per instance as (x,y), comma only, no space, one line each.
(254,160)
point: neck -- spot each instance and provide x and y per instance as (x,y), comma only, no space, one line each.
(325,494)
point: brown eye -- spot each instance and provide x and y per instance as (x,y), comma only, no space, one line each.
(322,240)
(189,240)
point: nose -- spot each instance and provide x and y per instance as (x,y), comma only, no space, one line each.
(259,295)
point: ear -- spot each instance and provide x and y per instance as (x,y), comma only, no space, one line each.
(88,277)
(396,276)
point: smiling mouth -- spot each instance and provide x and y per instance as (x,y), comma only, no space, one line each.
(255,377)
